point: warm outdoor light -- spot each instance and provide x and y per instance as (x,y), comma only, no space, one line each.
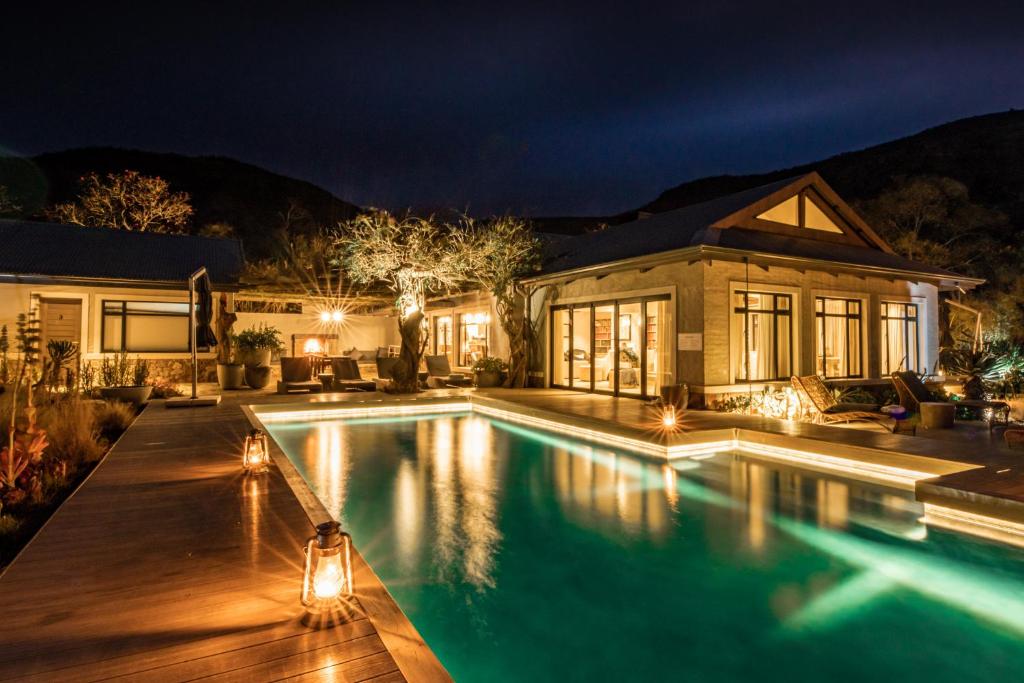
(325,316)
(668,418)
(328,576)
(336,316)
(255,453)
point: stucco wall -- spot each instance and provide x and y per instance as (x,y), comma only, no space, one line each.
(354,331)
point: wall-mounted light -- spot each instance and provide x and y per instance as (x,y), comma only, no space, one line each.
(325,316)
(256,452)
(336,316)
(328,576)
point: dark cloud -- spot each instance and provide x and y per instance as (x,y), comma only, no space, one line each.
(542,109)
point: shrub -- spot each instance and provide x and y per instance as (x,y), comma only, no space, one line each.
(113,417)
(490,364)
(258,337)
(72,430)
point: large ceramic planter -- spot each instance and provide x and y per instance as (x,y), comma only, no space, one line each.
(257,377)
(488,379)
(254,358)
(137,396)
(230,376)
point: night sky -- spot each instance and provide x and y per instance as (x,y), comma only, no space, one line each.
(537,110)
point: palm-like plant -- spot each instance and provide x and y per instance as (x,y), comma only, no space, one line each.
(980,369)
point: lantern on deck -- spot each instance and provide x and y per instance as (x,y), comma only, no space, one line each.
(256,452)
(328,576)
(669,418)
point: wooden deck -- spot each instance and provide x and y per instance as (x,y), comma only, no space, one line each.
(169,565)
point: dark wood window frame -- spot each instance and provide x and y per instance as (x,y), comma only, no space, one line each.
(776,313)
(849,317)
(123,314)
(905,325)
(593,306)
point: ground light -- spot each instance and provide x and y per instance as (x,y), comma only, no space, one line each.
(669,420)
(255,452)
(328,576)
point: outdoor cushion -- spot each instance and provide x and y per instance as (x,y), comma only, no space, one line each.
(345,368)
(296,369)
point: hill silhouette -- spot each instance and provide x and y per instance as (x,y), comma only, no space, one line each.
(251,199)
(985,153)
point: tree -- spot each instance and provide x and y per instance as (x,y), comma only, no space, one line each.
(413,257)
(508,250)
(933,219)
(126,201)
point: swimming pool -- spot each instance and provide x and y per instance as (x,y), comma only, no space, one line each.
(522,555)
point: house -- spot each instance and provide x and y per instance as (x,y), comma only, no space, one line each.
(734,295)
(114,290)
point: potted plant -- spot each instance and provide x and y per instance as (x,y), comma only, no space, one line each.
(256,344)
(230,371)
(124,379)
(488,371)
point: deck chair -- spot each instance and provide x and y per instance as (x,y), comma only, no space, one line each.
(440,375)
(818,402)
(913,393)
(347,376)
(384,368)
(297,375)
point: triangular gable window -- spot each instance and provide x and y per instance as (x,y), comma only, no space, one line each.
(812,216)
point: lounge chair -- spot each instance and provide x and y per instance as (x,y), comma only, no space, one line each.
(297,376)
(913,393)
(384,367)
(440,375)
(347,376)
(818,402)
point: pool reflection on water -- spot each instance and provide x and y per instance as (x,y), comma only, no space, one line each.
(522,555)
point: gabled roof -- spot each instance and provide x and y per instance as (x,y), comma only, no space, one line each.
(57,251)
(735,223)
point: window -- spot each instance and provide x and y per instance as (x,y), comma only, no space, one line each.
(144,326)
(900,343)
(764,326)
(474,337)
(802,211)
(623,346)
(838,332)
(443,336)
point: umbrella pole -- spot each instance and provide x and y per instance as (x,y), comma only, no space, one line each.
(195,399)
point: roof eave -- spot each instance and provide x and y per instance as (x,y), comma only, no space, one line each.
(36,279)
(951,281)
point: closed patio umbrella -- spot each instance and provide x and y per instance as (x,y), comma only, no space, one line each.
(204,312)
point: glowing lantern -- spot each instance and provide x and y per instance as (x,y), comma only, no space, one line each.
(668,418)
(256,452)
(328,577)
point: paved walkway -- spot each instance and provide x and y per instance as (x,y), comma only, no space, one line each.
(168,564)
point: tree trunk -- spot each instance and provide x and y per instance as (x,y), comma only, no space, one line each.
(512,314)
(406,372)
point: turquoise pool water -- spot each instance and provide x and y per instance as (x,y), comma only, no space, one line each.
(525,556)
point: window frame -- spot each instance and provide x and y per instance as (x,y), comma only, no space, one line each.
(776,313)
(123,315)
(820,341)
(884,317)
(462,332)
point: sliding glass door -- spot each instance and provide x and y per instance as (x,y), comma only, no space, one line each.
(620,347)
